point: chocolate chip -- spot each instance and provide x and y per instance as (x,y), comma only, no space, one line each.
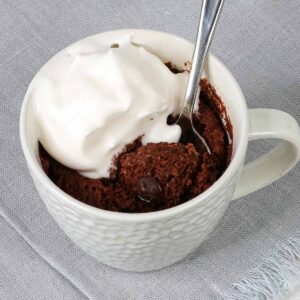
(148,189)
(115,46)
(172,119)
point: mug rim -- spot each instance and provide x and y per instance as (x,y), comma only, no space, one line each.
(235,163)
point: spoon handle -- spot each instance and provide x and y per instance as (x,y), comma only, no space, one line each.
(210,12)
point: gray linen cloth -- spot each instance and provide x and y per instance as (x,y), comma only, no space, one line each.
(255,251)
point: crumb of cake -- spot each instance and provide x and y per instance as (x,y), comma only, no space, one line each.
(171,165)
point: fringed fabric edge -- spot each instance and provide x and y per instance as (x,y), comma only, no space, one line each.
(273,278)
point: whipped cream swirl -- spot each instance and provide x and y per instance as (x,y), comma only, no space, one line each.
(92,99)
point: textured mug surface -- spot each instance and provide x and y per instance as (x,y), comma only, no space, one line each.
(146,241)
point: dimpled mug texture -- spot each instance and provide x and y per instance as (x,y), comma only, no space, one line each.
(147,241)
(141,246)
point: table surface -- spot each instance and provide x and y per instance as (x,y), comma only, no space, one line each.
(255,251)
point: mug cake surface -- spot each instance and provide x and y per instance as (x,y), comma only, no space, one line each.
(156,176)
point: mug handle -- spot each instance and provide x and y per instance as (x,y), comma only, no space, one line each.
(270,123)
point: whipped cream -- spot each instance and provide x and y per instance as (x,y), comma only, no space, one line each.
(92,99)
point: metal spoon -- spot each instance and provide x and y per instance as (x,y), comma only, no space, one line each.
(210,12)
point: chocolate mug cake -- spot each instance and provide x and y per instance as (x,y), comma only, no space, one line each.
(156,176)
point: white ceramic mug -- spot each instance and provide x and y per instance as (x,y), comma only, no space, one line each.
(149,241)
